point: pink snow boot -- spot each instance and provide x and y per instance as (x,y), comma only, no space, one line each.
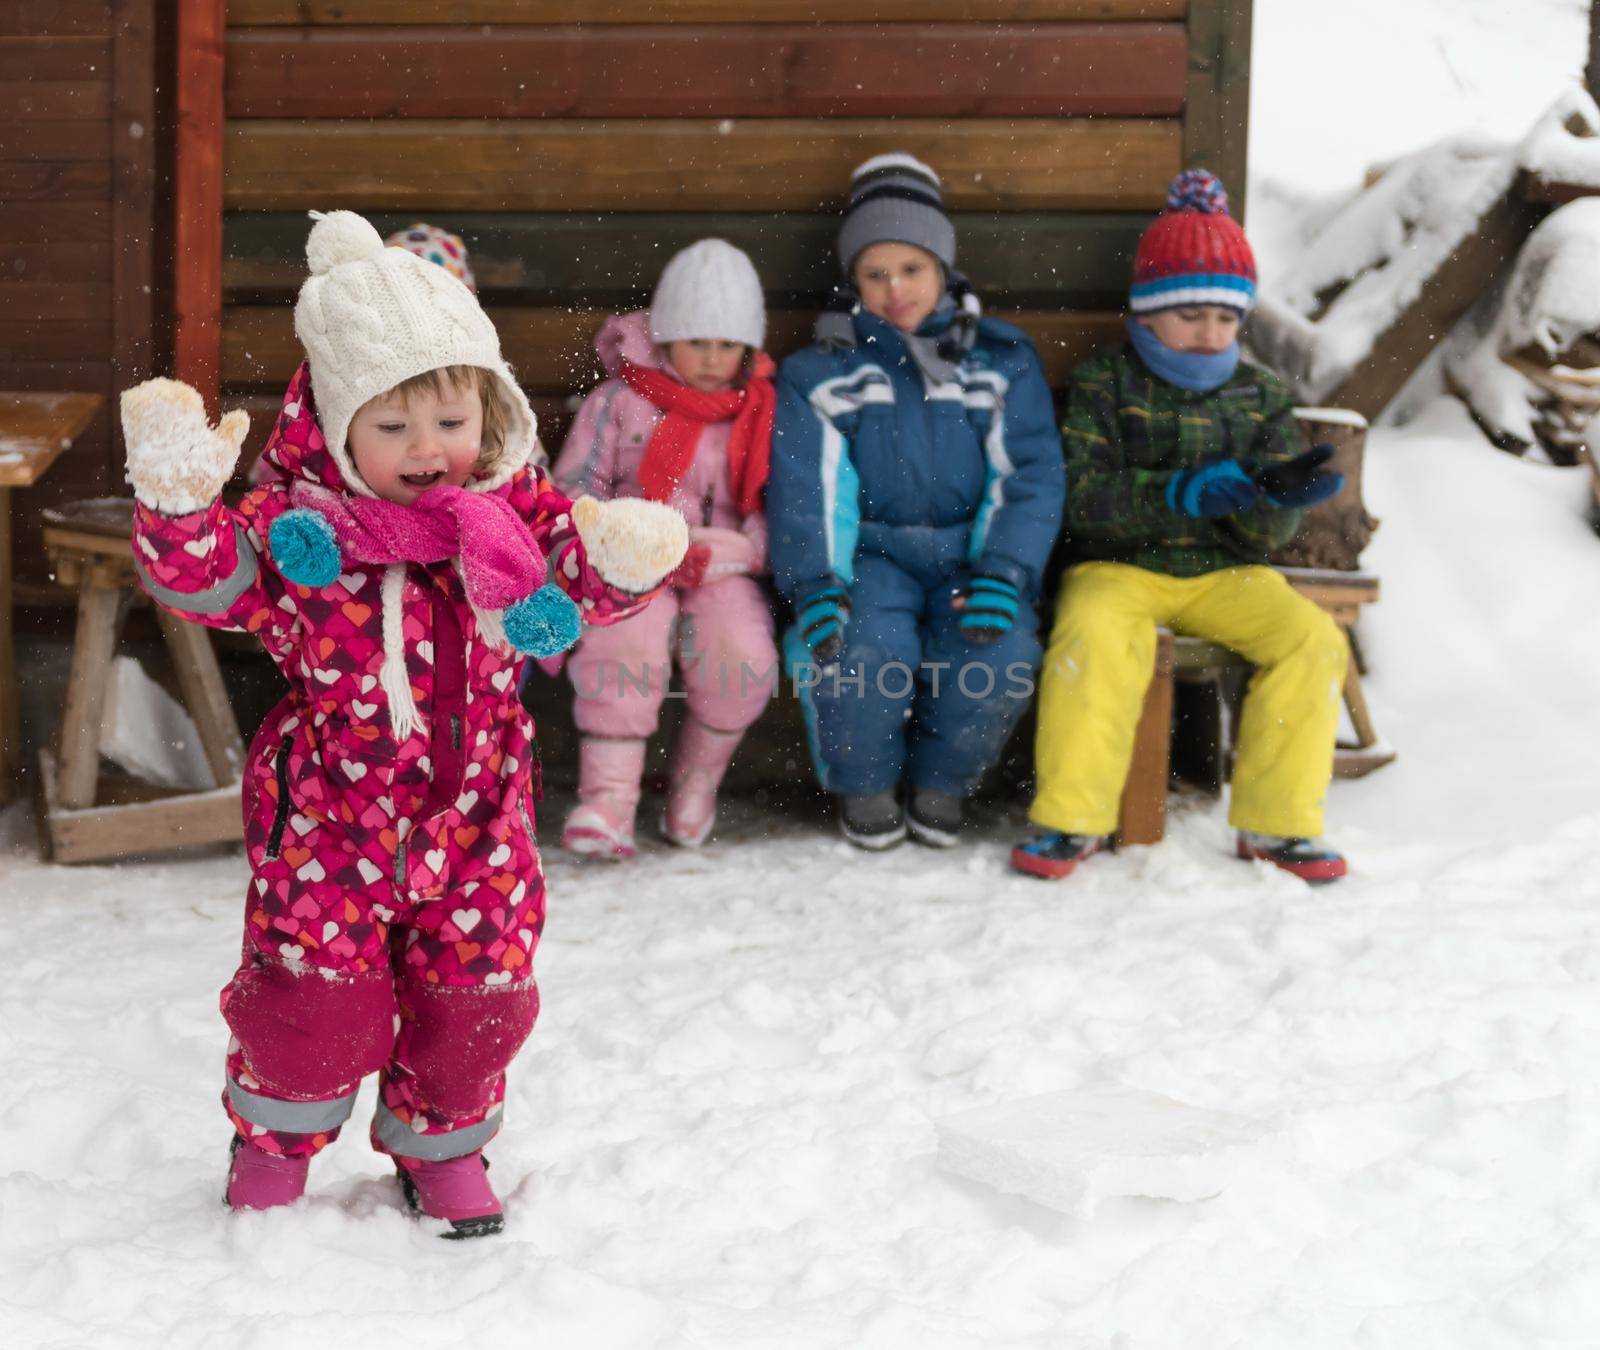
(261,1180)
(456,1190)
(609,774)
(699,761)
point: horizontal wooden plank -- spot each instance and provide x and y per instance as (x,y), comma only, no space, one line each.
(689,11)
(552,350)
(940,70)
(55,181)
(55,100)
(1062,260)
(54,302)
(30,340)
(86,59)
(690,164)
(61,223)
(39,18)
(64,142)
(36,262)
(94,376)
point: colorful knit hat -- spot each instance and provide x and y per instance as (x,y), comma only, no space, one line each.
(436,246)
(896,198)
(1194,252)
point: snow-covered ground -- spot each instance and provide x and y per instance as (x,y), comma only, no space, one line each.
(724,1132)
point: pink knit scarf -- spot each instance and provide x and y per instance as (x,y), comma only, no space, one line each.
(499,561)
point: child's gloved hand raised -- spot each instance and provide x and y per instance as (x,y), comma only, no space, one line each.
(821,615)
(631,543)
(1216,489)
(178,462)
(988,608)
(1299,481)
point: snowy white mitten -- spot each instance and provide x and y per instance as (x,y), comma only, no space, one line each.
(631,543)
(178,462)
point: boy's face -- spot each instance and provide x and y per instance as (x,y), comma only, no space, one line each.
(1205,329)
(403,448)
(707,364)
(900,283)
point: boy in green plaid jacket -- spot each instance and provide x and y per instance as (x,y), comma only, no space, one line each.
(1185,471)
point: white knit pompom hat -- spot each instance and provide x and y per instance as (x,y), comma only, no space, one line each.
(371,317)
(709,290)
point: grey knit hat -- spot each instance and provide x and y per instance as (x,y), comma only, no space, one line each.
(896,198)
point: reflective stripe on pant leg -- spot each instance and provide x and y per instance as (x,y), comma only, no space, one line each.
(274,1113)
(400,1139)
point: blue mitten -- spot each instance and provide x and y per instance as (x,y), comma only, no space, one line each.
(821,617)
(988,609)
(1216,489)
(1299,481)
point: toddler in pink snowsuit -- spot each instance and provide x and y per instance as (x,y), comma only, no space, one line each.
(685,418)
(403,549)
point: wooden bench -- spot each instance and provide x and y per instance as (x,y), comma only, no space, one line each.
(83,816)
(1144,797)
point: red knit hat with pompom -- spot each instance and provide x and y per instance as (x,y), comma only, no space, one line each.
(1194,252)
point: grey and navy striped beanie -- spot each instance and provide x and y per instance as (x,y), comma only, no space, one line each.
(895,198)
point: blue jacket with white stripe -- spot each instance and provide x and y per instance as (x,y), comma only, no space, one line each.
(862,437)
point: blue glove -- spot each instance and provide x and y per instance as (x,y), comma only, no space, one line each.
(988,608)
(1298,481)
(821,620)
(1216,489)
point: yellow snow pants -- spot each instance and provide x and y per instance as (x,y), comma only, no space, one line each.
(1099,664)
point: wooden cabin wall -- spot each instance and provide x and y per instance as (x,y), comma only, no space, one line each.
(79,289)
(576,144)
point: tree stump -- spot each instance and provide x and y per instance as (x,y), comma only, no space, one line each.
(1333,532)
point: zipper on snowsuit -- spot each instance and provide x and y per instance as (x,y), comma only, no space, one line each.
(280,817)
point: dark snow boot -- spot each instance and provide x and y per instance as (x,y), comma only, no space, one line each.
(872,822)
(1306,858)
(1053,854)
(934,818)
(261,1180)
(456,1190)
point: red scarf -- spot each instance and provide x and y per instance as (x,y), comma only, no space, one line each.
(676,437)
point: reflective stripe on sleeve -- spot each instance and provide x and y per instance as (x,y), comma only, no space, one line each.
(217,599)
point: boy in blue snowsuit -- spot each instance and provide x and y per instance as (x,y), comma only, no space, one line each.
(915,495)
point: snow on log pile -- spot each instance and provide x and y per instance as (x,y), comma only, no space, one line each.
(1392,270)
(1532,379)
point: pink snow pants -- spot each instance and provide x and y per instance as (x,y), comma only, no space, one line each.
(721,637)
(366,951)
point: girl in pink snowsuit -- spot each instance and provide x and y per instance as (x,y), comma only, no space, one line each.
(686,418)
(396,895)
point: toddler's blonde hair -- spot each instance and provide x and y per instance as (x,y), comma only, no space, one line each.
(444,380)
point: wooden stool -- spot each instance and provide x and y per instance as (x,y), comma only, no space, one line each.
(1144,795)
(81,817)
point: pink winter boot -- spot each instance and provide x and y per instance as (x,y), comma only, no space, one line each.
(261,1180)
(609,774)
(699,761)
(456,1190)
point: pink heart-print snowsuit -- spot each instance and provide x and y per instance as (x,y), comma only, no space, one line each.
(396,895)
